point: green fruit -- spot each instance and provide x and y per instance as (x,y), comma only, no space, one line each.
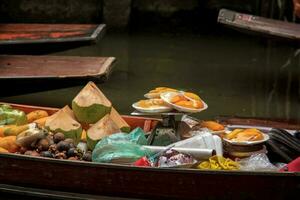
(104,127)
(90,105)
(64,123)
(8,115)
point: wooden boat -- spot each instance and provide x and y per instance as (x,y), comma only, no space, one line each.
(55,67)
(49,33)
(259,25)
(39,73)
(88,180)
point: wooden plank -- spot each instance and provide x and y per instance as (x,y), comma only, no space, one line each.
(62,67)
(49,33)
(144,182)
(274,123)
(260,25)
(33,193)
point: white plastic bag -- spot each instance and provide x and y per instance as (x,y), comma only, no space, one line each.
(205,140)
(257,162)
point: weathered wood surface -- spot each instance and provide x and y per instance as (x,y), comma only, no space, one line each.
(275,123)
(127,181)
(27,193)
(260,25)
(138,182)
(62,67)
(49,33)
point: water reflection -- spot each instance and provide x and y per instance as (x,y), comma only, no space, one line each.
(234,73)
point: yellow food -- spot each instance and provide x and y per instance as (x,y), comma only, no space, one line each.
(83,135)
(37,114)
(8,130)
(151,103)
(241,135)
(198,104)
(9,143)
(233,134)
(192,96)
(159,90)
(2,150)
(219,163)
(162,89)
(41,122)
(212,125)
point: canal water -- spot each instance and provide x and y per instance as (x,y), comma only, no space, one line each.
(234,73)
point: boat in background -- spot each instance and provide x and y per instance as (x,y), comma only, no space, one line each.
(49,33)
(260,25)
(40,39)
(40,73)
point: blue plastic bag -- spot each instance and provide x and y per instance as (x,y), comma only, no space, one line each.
(121,148)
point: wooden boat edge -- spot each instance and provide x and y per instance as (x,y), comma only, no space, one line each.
(96,35)
(102,75)
(148,169)
(252,30)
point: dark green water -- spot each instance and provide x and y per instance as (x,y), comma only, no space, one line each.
(234,73)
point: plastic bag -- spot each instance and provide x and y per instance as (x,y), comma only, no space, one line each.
(205,140)
(173,158)
(8,115)
(121,148)
(257,162)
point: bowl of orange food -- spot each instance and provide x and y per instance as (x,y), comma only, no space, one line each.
(184,101)
(248,136)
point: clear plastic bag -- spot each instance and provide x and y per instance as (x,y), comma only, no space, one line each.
(257,162)
(121,148)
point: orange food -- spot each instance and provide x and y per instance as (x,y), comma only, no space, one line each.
(9,143)
(212,125)
(198,104)
(190,104)
(185,103)
(192,96)
(177,98)
(251,134)
(35,115)
(2,150)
